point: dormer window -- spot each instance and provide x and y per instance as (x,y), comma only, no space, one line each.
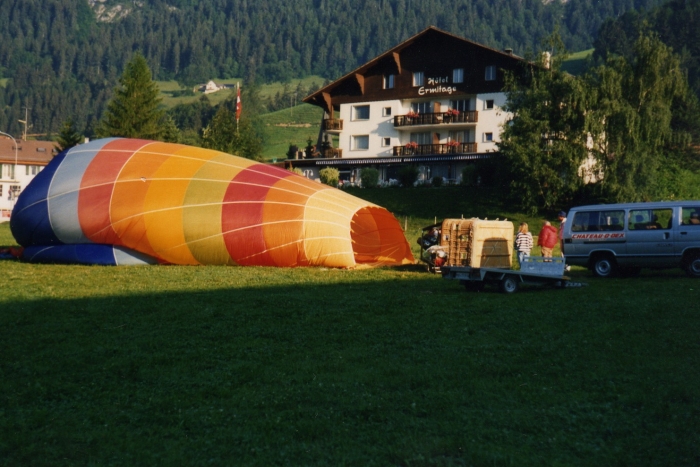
(418,78)
(388,81)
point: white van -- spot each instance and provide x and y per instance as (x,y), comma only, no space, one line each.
(612,238)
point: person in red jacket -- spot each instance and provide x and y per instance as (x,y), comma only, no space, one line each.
(547,238)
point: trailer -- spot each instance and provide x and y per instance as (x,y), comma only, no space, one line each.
(467,242)
(535,270)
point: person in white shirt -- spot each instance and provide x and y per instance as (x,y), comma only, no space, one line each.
(523,242)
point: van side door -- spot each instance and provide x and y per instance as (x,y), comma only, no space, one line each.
(649,240)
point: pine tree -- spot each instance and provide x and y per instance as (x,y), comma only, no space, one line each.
(226,135)
(134,110)
(68,136)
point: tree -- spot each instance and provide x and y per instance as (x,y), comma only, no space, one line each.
(68,136)
(134,111)
(544,144)
(408,174)
(369,176)
(631,119)
(225,135)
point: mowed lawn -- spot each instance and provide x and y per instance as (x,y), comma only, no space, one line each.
(211,365)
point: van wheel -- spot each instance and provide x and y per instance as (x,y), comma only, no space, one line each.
(509,285)
(604,266)
(693,266)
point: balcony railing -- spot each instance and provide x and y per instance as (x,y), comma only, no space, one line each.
(435,149)
(332,153)
(471,116)
(332,124)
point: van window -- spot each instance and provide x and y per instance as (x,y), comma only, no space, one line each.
(595,221)
(691,216)
(645,219)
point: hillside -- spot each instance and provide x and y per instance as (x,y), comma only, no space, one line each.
(64,57)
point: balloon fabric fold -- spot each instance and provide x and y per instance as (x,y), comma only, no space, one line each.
(129,201)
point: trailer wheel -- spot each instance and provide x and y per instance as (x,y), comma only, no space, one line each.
(509,285)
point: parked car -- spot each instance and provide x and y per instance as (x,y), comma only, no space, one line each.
(623,238)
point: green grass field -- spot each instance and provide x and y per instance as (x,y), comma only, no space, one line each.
(295,125)
(170,90)
(211,365)
(576,63)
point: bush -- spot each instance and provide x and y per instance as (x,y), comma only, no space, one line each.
(329,176)
(408,175)
(436,181)
(369,177)
(469,175)
(297,171)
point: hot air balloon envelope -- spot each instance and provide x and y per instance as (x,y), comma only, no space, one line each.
(128,201)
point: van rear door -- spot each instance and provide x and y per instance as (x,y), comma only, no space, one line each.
(687,233)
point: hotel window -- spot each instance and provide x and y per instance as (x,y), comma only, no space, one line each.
(0,171)
(461,136)
(31,169)
(418,78)
(360,112)
(488,137)
(386,142)
(1,189)
(359,143)
(488,104)
(422,138)
(422,107)
(461,105)
(386,112)
(458,75)
(490,73)
(388,81)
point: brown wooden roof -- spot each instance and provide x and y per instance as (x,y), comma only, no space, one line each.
(432,48)
(28,152)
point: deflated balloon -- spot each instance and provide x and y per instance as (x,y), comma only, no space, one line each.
(129,201)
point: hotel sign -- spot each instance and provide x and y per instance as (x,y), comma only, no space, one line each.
(437,86)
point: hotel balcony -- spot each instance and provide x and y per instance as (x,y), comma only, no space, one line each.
(332,125)
(434,149)
(440,118)
(332,153)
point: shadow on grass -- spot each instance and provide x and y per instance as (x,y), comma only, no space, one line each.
(409,370)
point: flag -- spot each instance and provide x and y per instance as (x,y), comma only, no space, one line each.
(238,102)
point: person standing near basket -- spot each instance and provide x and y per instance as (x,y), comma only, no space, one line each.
(523,242)
(547,239)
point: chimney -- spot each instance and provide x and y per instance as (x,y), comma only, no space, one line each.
(508,50)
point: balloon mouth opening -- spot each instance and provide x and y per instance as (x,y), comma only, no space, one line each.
(377,239)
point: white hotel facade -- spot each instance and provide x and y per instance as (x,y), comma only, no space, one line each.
(434,101)
(19,164)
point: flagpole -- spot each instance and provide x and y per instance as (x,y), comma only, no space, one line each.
(238,104)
